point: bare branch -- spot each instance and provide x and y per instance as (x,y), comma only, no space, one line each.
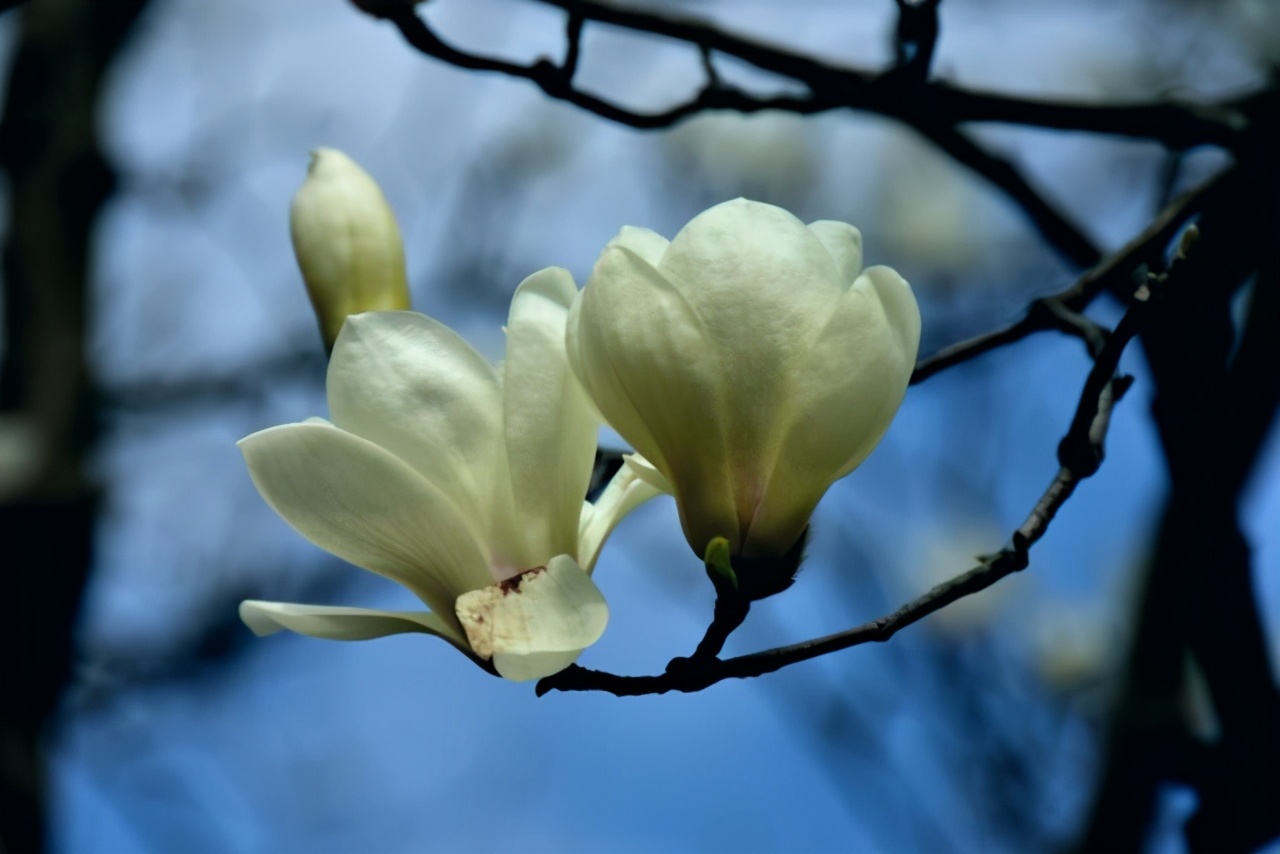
(1074,246)
(1062,310)
(934,109)
(573,51)
(916,37)
(557,80)
(832,87)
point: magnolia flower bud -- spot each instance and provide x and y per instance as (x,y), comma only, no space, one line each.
(753,362)
(347,243)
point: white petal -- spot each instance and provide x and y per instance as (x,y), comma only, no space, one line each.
(554,609)
(765,286)
(550,422)
(844,242)
(900,307)
(859,369)
(365,505)
(644,470)
(645,357)
(410,385)
(632,485)
(649,245)
(753,269)
(535,665)
(341,623)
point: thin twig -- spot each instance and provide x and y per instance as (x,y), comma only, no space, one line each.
(1112,274)
(1059,232)
(916,37)
(573,47)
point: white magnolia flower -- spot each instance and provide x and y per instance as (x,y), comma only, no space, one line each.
(751,360)
(347,242)
(461,482)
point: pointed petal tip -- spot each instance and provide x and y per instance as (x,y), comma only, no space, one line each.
(337,622)
(257,619)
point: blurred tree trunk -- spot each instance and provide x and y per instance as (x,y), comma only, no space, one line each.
(1216,399)
(58,182)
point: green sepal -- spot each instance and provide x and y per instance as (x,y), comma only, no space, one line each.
(719,567)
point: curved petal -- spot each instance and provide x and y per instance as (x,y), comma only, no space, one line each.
(765,285)
(632,485)
(410,385)
(649,245)
(540,615)
(650,364)
(754,269)
(534,665)
(367,506)
(550,422)
(341,623)
(844,242)
(859,368)
(900,307)
(644,470)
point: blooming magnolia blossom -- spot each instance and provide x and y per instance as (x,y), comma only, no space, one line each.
(751,360)
(347,242)
(461,482)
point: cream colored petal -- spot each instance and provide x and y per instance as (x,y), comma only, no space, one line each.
(539,619)
(645,357)
(649,245)
(644,470)
(844,242)
(753,269)
(764,285)
(412,386)
(900,307)
(859,367)
(550,423)
(529,666)
(341,623)
(632,485)
(365,505)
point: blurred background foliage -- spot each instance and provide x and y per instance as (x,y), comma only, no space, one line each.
(177,131)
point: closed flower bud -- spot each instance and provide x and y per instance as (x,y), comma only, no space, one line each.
(753,362)
(347,243)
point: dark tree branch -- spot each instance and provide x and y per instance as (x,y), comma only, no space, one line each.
(573,49)
(902,93)
(1216,393)
(1071,243)
(832,87)
(557,80)
(916,37)
(1080,454)
(1062,310)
